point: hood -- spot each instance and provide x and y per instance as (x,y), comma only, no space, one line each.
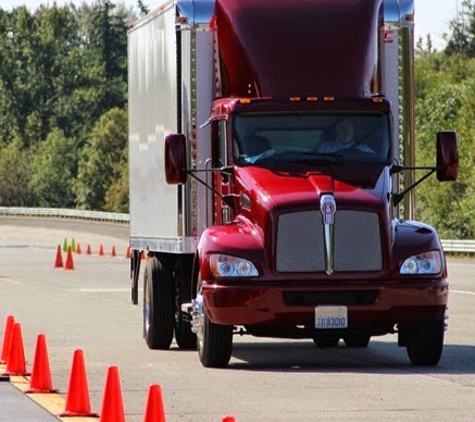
(355,186)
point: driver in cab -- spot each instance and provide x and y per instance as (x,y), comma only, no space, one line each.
(344,139)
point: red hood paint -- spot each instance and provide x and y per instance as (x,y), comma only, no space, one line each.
(269,190)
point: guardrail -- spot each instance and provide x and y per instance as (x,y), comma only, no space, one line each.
(459,246)
(65,213)
(450,246)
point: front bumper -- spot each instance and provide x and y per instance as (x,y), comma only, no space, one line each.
(377,304)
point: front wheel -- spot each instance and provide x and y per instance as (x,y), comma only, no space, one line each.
(215,344)
(425,343)
(214,341)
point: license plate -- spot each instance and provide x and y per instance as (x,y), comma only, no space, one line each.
(328,317)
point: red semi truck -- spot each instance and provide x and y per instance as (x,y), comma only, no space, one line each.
(272,174)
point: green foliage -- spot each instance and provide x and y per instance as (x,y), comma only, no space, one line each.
(14,175)
(102,164)
(445,95)
(61,69)
(53,168)
(462,38)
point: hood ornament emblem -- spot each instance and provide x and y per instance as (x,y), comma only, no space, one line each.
(328,209)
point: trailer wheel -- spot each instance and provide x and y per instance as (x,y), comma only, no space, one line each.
(184,337)
(214,341)
(357,341)
(425,343)
(158,306)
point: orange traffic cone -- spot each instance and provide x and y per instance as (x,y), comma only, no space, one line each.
(127,253)
(154,411)
(58,263)
(16,364)
(113,251)
(77,397)
(69,264)
(88,251)
(78,249)
(101,250)
(7,338)
(112,404)
(40,381)
(228,419)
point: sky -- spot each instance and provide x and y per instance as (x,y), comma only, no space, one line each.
(431,16)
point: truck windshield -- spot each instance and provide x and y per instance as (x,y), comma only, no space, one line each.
(311,138)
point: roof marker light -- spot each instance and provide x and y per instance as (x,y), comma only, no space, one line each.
(312,98)
(328,98)
(295,99)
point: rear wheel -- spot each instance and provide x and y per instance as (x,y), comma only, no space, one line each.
(214,341)
(158,305)
(425,342)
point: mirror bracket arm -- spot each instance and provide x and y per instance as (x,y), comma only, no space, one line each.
(398,197)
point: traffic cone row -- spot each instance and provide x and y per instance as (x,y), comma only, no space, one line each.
(76,248)
(69,261)
(77,397)
(112,409)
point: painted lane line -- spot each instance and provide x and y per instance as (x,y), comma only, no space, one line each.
(9,280)
(97,290)
(463,292)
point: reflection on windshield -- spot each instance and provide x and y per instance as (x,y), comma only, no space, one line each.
(310,137)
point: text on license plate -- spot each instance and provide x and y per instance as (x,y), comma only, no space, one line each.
(327,317)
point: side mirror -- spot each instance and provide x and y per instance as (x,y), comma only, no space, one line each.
(447,156)
(175,159)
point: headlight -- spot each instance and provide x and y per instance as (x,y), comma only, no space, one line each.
(424,263)
(230,266)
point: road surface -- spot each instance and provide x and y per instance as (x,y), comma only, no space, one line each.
(89,308)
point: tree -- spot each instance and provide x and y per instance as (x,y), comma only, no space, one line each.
(445,90)
(53,170)
(462,37)
(103,162)
(14,175)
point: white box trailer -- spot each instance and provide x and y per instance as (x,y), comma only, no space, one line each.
(171,89)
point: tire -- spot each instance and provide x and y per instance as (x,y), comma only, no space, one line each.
(158,306)
(357,341)
(425,343)
(326,341)
(184,337)
(214,341)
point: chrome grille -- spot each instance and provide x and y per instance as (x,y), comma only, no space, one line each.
(300,242)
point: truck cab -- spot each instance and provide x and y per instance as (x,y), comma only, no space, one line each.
(288,171)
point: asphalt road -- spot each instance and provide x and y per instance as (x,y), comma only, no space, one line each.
(89,308)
